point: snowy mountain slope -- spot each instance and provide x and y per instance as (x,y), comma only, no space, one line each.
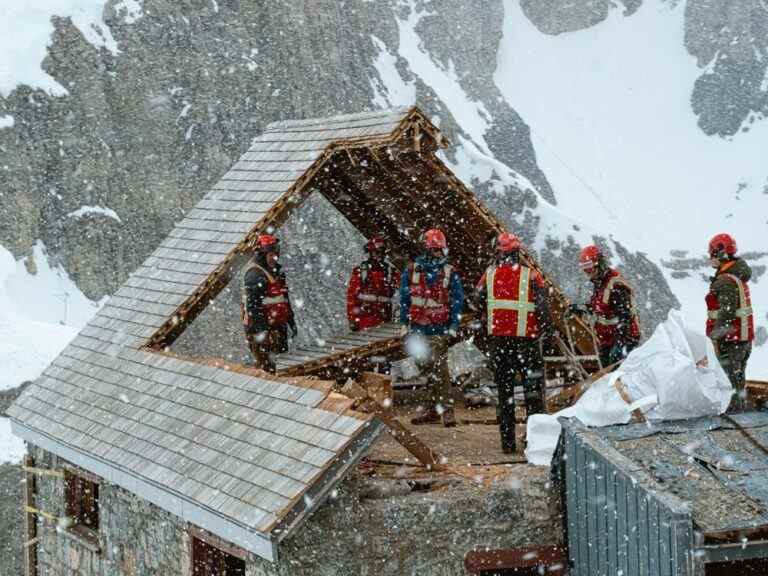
(614,131)
(41,310)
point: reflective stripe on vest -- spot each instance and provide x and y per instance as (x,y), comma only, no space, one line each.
(744,311)
(373,298)
(429,302)
(522,306)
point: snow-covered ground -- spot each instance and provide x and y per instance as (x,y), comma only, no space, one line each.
(39,314)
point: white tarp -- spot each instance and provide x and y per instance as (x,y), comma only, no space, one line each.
(666,379)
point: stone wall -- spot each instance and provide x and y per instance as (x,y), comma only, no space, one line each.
(367,528)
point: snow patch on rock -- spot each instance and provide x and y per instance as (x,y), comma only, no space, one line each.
(7,121)
(97,210)
(25,34)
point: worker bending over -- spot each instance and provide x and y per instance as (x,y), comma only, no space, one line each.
(611,310)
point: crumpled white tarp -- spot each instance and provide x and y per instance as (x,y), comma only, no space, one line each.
(665,378)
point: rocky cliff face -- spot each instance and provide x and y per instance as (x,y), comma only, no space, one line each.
(143,132)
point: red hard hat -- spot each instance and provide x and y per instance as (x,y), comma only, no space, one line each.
(267,242)
(589,257)
(508,242)
(722,243)
(375,244)
(435,238)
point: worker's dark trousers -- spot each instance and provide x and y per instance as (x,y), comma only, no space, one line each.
(513,361)
(733,358)
(265,346)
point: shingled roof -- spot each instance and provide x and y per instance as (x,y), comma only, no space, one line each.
(244,457)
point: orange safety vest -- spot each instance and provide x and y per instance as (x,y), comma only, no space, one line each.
(606,319)
(511,301)
(275,302)
(743,326)
(430,305)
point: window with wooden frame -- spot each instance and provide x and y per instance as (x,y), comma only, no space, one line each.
(211,560)
(82,492)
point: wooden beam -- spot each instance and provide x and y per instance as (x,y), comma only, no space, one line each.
(30,519)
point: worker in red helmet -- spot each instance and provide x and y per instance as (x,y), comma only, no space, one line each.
(266,309)
(371,287)
(730,318)
(511,298)
(431,303)
(611,310)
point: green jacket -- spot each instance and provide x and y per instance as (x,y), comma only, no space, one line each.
(727,292)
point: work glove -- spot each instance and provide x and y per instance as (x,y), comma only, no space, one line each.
(578,309)
(617,353)
(719,332)
(453,331)
(403,330)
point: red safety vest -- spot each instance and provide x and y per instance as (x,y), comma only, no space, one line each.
(743,326)
(606,319)
(430,305)
(275,302)
(370,295)
(511,300)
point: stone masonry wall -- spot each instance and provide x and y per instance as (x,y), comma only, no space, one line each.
(367,528)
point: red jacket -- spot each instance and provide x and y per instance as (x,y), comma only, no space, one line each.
(607,319)
(369,294)
(275,306)
(742,325)
(510,300)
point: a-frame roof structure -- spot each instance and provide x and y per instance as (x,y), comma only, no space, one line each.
(244,457)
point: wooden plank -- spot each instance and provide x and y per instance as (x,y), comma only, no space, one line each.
(30,520)
(160,286)
(276,156)
(340,120)
(252,207)
(324,135)
(152,296)
(222,249)
(200,268)
(239,216)
(289,167)
(271,190)
(176,277)
(207,236)
(230,226)
(183,255)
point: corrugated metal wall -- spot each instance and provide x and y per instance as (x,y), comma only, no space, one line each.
(617,524)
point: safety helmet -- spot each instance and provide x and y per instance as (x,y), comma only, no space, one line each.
(507,242)
(434,239)
(375,244)
(267,243)
(722,243)
(590,257)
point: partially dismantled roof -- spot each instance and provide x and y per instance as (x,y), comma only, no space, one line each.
(242,456)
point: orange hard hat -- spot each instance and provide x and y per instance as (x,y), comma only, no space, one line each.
(507,242)
(722,243)
(375,244)
(435,239)
(590,257)
(267,242)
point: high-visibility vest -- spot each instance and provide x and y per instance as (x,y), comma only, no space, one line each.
(743,326)
(511,301)
(370,300)
(275,302)
(606,318)
(430,305)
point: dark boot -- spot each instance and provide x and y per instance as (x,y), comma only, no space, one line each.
(534,397)
(428,417)
(449,418)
